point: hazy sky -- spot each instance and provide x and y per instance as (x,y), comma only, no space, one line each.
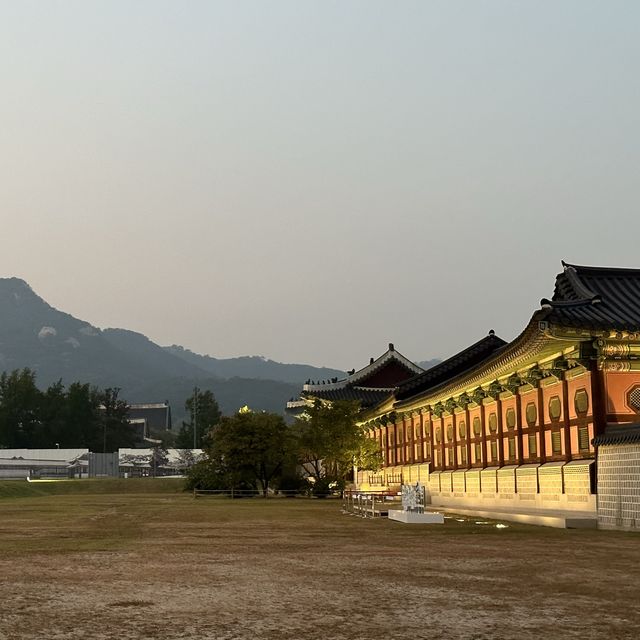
(311,180)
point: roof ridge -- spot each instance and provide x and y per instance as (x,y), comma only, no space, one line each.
(592,269)
(452,361)
(354,378)
(578,286)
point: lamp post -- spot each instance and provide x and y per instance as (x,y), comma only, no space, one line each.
(195,416)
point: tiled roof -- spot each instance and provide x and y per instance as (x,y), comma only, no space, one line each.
(360,377)
(596,298)
(453,366)
(619,434)
(366,396)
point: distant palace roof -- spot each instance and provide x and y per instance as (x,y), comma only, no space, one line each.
(369,385)
(596,298)
(587,298)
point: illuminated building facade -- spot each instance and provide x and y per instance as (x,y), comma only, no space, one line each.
(543,425)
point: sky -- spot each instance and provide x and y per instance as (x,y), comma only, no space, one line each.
(310,180)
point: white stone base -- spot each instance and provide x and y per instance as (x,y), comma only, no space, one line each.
(410,517)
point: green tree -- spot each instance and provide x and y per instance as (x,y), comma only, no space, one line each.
(53,418)
(251,447)
(20,403)
(83,417)
(116,430)
(330,442)
(204,413)
(159,458)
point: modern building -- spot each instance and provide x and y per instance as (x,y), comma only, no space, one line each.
(43,463)
(544,428)
(150,418)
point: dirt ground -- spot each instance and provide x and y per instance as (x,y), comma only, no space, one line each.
(168,566)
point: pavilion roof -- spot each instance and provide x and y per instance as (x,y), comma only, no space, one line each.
(369,385)
(364,377)
(595,298)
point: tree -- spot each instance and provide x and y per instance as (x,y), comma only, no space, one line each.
(204,413)
(159,458)
(20,403)
(330,442)
(83,420)
(251,447)
(116,430)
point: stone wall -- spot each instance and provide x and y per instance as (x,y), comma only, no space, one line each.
(619,487)
(555,486)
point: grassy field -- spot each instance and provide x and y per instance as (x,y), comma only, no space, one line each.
(139,559)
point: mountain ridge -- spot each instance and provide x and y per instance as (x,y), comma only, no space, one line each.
(58,346)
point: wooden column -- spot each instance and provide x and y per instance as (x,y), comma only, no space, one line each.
(500,433)
(599,398)
(483,425)
(565,417)
(519,434)
(454,439)
(541,428)
(467,421)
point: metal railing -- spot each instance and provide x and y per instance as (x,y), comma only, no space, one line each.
(368,504)
(248,493)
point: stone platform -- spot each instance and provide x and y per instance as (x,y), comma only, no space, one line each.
(411,517)
(556,519)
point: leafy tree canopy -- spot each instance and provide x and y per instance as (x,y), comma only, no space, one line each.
(251,447)
(204,413)
(330,442)
(81,416)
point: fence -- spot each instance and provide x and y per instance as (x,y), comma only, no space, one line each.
(368,504)
(104,465)
(247,493)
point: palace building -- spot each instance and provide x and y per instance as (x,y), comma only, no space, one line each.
(545,428)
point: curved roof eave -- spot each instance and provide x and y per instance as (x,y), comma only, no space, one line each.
(529,341)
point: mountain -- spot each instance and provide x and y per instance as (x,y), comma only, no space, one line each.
(58,346)
(254,367)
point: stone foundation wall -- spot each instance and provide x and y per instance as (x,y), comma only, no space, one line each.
(549,487)
(619,487)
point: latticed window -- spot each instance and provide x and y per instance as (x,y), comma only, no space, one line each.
(438,435)
(493,422)
(449,432)
(581,401)
(463,455)
(556,442)
(634,399)
(478,452)
(583,438)
(494,451)
(555,408)
(533,445)
(512,448)
(510,417)
(477,427)
(462,430)
(531,413)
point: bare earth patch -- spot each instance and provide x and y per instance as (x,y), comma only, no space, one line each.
(167,566)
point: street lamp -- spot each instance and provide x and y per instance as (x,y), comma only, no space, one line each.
(195,416)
